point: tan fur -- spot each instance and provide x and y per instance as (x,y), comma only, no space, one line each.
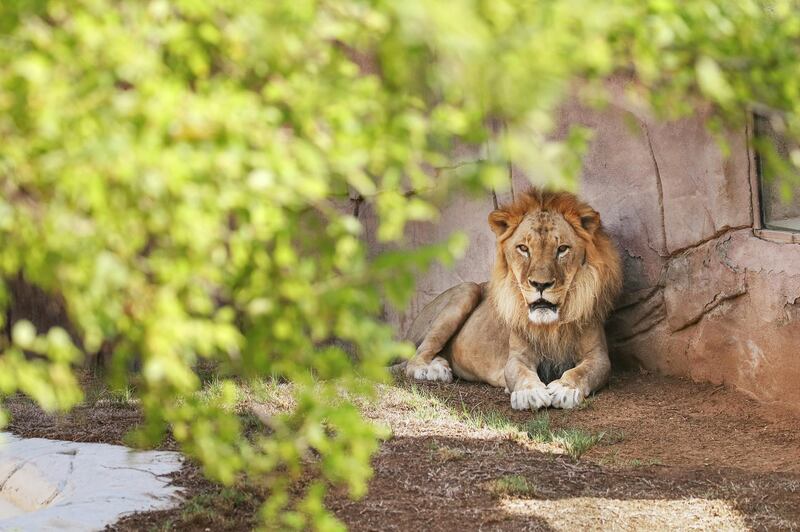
(550,247)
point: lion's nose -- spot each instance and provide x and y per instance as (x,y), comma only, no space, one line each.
(541,287)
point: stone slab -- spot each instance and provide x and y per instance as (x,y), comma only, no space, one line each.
(68,486)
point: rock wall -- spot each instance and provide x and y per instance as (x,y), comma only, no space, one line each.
(704,297)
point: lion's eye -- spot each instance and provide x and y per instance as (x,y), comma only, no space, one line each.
(522,248)
(562,249)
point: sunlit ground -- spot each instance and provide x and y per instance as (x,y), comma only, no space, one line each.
(637,514)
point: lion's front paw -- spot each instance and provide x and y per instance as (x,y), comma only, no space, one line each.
(530,398)
(437,370)
(563,395)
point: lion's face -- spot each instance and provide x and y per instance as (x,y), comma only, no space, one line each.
(555,264)
(544,253)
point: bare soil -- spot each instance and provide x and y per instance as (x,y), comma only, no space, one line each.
(671,455)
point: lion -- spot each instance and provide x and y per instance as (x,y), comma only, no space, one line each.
(536,328)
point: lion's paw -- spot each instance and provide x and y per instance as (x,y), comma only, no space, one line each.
(563,395)
(437,370)
(530,398)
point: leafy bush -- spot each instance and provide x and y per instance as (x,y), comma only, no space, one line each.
(185,176)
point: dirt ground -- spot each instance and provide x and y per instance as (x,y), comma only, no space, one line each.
(655,453)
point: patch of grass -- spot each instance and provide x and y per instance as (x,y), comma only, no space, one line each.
(445,453)
(609,459)
(265,390)
(613,436)
(538,428)
(488,419)
(511,486)
(217,389)
(123,396)
(645,463)
(218,508)
(425,406)
(576,441)
(118,397)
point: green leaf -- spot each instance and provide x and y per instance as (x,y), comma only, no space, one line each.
(712,80)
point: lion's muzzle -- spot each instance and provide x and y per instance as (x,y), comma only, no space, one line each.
(542,312)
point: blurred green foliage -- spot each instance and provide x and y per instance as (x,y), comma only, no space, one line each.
(181,173)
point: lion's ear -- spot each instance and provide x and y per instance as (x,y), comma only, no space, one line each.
(590,220)
(500,221)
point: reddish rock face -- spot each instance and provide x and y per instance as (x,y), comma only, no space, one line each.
(699,280)
(704,297)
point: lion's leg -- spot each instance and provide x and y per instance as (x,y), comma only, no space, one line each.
(590,373)
(527,389)
(445,315)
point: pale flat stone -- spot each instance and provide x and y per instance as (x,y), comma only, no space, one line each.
(60,485)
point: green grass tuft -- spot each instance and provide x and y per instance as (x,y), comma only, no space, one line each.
(445,453)
(538,428)
(511,486)
(425,406)
(264,390)
(576,441)
(488,419)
